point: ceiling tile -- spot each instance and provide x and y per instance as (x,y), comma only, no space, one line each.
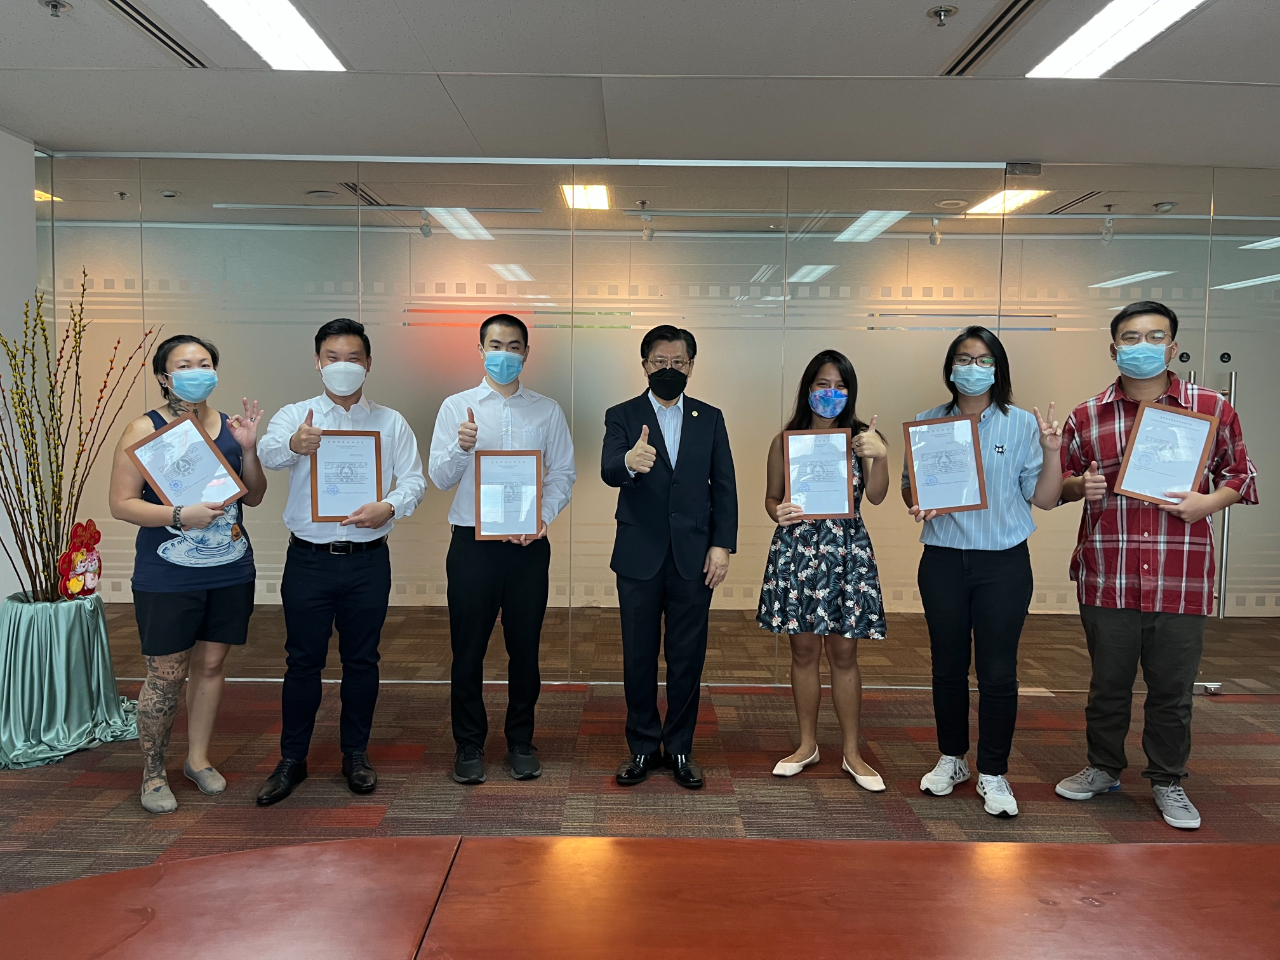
(532,116)
(89,35)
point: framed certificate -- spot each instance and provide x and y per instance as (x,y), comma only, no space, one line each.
(1166,450)
(184,466)
(945,464)
(818,479)
(508,493)
(346,473)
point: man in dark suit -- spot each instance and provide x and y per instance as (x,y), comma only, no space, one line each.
(677,524)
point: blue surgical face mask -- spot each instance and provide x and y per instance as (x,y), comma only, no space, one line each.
(828,403)
(502,365)
(973,380)
(193,385)
(1142,361)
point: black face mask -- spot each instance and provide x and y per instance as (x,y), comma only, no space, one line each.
(667,383)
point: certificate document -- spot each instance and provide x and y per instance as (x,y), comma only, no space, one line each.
(183,465)
(818,479)
(508,493)
(1166,450)
(945,464)
(346,473)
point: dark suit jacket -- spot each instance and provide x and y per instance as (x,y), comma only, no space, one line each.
(691,508)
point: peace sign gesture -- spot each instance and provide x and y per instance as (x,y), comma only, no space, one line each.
(1050,430)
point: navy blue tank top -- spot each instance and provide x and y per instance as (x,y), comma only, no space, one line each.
(220,555)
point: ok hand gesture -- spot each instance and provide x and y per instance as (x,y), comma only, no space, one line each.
(1050,430)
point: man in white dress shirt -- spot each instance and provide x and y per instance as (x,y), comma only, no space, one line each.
(488,576)
(336,572)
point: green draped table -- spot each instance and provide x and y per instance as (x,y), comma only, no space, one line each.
(57,686)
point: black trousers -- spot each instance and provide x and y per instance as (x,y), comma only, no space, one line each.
(643,605)
(487,576)
(1169,646)
(318,591)
(980,596)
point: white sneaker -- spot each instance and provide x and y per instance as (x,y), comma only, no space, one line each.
(1178,810)
(943,778)
(1086,784)
(997,796)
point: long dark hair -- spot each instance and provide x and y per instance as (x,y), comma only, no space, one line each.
(1002,389)
(802,415)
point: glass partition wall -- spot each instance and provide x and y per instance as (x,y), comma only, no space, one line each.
(766,265)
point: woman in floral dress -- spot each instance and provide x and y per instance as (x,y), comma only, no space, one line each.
(821,586)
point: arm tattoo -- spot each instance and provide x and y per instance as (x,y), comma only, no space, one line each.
(157,708)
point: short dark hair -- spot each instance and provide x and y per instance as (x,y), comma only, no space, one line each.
(343,327)
(504,320)
(666,333)
(160,359)
(1144,306)
(1002,389)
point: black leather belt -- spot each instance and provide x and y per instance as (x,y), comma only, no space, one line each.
(337,546)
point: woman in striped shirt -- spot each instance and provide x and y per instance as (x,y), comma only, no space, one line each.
(975,574)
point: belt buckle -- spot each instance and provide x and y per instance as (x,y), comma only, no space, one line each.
(341,547)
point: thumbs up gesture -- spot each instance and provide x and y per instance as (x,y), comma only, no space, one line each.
(467,432)
(1095,484)
(869,443)
(306,439)
(640,458)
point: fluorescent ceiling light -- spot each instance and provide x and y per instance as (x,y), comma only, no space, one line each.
(1260,245)
(1006,201)
(1118,29)
(41,195)
(1131,278)
(510,271)
(810,272)
(278,33)
(1256,281)
(580,196)
(870,225)
(460,222)
(764,273)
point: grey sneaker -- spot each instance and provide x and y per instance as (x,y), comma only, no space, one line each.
(468,766)
(1086,784)
(161,800)
(1178,810)
(523,761)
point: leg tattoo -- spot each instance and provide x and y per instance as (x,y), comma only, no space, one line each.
(157,708)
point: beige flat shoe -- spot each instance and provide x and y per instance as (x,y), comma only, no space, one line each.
(785,769)
(159,800)
(873,783)
(209,780)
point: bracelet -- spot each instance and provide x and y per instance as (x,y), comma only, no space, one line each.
(177,517)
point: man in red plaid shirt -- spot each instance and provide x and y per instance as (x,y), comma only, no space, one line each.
(1144,571)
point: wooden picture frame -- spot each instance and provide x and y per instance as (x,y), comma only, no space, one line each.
(480,457)
(132,452)
(316,516)
(977,457)
(786,469)
(1143,408)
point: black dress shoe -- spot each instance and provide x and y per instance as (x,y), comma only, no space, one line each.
(287,775)
(687,773)
(635,769)
(468,765)
(361,778)
(523,761)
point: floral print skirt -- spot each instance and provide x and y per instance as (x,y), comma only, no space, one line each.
(821,578)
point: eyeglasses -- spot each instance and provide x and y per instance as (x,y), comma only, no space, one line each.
(1158,337)
(963,360)
(661,363)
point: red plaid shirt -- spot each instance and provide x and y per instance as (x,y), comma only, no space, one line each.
(1131,554)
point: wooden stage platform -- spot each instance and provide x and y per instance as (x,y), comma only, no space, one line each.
(449,898)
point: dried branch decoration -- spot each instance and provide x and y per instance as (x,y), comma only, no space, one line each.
(51,431)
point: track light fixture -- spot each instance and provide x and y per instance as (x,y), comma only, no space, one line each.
(425,229)
(935,238)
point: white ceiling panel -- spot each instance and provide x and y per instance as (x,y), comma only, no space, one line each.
(371,36)
(89,35)
(542,116)
(207,33)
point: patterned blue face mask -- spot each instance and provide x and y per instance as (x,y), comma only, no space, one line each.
(828,403)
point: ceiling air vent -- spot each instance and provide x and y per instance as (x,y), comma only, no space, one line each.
(365,195)
(1076,202)
(996,31)
(148,25)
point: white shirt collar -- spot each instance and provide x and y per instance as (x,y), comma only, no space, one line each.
(486,388)
(327,403)
(659,409)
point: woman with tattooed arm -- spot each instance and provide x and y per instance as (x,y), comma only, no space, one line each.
(193,575)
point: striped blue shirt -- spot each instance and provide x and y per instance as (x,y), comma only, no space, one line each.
(671,422)
(1011,459)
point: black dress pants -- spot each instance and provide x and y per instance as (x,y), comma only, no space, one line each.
(643,605)
(320,590)
(485,577)
(978,596)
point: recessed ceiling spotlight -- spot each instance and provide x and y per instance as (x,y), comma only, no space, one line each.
(1165,206)
(168,194)
(322,194)
(586,196)
(954,203)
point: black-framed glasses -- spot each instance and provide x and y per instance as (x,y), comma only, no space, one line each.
(661,363)
(963,360)
(1132,337)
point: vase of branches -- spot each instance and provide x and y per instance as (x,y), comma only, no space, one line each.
(57,684)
